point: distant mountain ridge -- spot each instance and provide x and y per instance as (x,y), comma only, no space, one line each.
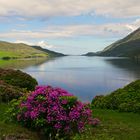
(90,54)
(126,47)
(20,50)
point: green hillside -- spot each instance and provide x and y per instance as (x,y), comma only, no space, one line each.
(20,50)
(128,46)
(51,53)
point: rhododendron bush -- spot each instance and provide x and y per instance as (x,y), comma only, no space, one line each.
(53,111)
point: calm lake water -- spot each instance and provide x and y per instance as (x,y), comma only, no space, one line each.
(84,76)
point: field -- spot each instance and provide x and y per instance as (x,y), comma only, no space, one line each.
(21,63)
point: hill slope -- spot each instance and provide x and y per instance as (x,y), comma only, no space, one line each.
(128,46)
(51,53)
(90,54)
(20,50)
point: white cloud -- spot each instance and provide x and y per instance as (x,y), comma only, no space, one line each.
(72,31)
(50,8)
(42,43)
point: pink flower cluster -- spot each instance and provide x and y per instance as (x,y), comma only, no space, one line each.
(55,111)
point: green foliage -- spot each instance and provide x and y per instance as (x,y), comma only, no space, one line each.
(11,130)
(6,58)
(71,100)
(13,109)
(9,92)
(18,79)
(126,99)
(14,83)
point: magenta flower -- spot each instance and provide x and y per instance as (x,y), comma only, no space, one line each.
(54,109)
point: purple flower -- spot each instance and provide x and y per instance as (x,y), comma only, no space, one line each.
(57,126)
(55,109)
(64,102)
(34,114)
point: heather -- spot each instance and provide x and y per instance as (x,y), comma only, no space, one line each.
(14,84)
(126,99)
(52,112)
(17,78)
(9,92)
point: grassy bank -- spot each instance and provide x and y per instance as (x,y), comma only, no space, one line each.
(13,130)
(21,63)
(114,126)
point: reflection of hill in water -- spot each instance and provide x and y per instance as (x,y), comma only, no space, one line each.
(127,64)
(21,64)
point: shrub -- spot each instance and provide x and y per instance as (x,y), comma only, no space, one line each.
(98,101)
(126,99)
(9,92)
(129,107)
(52,111)
(18,78)
(6,58)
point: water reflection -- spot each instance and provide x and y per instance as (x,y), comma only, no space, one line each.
(129,65)
(86,76)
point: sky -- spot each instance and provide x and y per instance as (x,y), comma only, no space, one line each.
(68,26)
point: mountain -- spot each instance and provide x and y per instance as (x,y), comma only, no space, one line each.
(126,47)
(20,50)
(90,54)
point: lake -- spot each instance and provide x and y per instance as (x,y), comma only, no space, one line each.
(83,76)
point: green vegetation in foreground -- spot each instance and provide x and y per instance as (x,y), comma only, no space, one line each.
(13,130)
(114,126)
(18,78)
(14,84)
(126,99)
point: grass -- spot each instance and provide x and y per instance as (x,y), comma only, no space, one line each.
(23,63)
(114,126)
(13,50)
(10,54)
(20,50)
(18,55)
(12,129)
